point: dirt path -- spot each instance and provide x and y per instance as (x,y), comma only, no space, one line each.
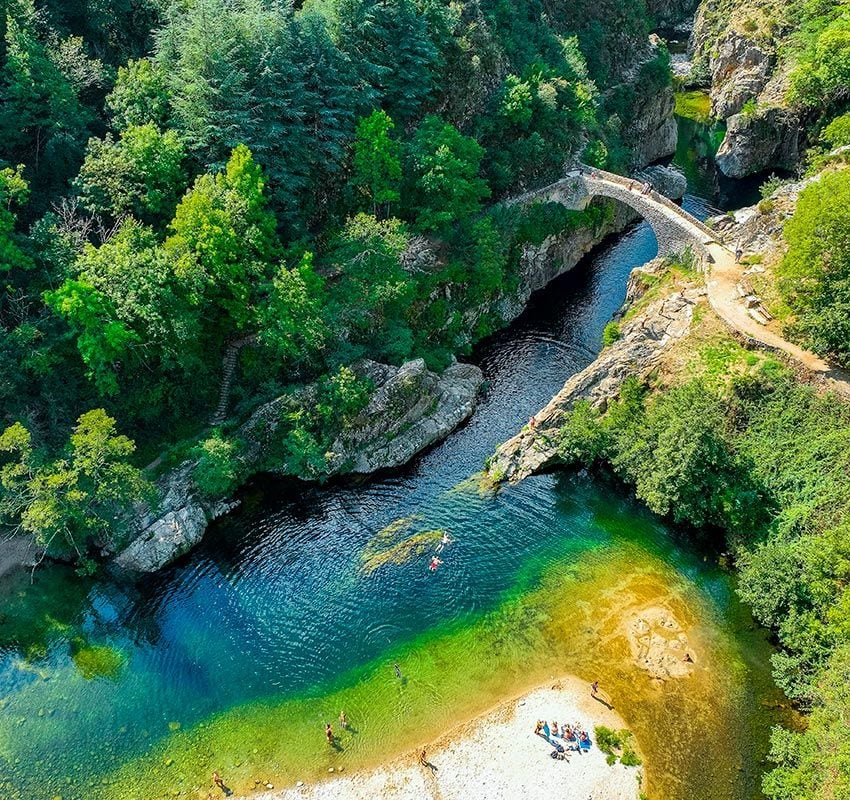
(722,281)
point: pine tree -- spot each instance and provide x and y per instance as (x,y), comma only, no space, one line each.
(204,53)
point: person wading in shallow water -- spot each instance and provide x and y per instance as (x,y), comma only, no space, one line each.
(329,733)
(397,669)
(343,720)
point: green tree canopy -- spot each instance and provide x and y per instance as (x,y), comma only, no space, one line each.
(815,272)
(377,162)
(63,502)
(140,174)
(446,184)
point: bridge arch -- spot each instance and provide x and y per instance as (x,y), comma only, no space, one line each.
(674,228)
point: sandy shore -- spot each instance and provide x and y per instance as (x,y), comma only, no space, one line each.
(496,756)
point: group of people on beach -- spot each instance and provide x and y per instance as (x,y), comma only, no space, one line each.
(574,734)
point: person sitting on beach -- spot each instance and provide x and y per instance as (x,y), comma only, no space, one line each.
(585,739)
(538,727)
(555,728)
(546,729)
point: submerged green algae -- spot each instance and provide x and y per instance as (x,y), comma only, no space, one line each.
(695,105)
(97,660)
(388,546)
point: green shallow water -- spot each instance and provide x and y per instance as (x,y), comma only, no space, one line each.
(233,658)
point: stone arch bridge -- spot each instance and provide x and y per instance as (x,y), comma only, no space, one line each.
(674,228)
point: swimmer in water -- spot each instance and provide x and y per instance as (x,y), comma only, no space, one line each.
(435,562)
(443,542)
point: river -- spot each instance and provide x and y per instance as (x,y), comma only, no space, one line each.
(232,658)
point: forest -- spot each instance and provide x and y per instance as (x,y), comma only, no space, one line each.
(184,183)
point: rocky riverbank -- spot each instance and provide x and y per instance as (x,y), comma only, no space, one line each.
(644,340)
(410,409)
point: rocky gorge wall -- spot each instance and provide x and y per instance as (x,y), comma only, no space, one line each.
(734,51)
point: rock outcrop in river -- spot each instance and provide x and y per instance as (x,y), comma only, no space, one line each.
(410,409)
(643,341)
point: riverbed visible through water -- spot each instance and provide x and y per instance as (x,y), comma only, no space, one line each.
(233,658)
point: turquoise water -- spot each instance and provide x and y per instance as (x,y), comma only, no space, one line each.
(110,690)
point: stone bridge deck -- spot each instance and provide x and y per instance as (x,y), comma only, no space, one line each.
(675,229)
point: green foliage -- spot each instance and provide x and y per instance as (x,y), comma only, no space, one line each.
(536,123)
(815,272)
(63,502)
(813,765)
(367,252)
(224,236)
(218,468)
(291,319)
(617,744)
(837,133)
(821,74)
(377,162)
(140,96)
(446,183)
(610,333)
(769,186)
(43,123)
(14,191)
(394,49)
(140,174)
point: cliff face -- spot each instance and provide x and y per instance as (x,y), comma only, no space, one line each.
(734,48)
(767,138)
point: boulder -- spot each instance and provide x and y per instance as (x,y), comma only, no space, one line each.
(411,409)
(173,526)
(767,138)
